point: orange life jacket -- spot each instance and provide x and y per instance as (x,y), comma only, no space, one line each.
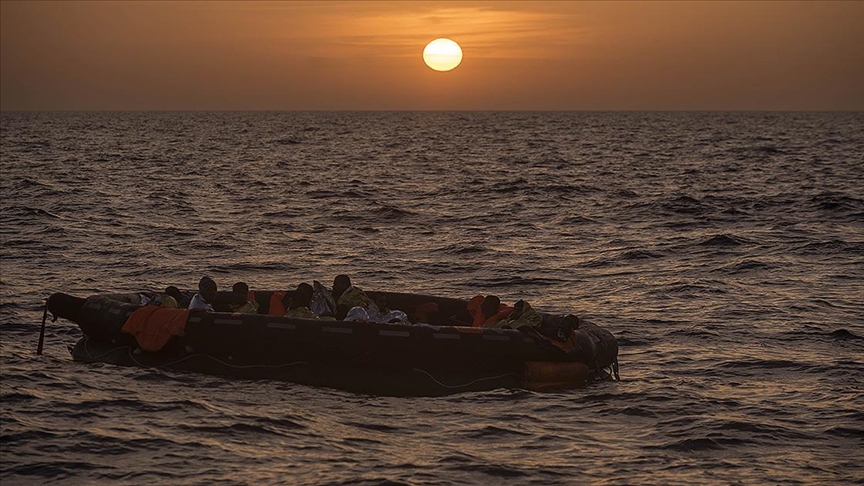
(277,308)
(153,325)
(480,320)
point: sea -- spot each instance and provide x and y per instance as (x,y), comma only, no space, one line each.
(725,252)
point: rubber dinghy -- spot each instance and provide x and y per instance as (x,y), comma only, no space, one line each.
(445,355)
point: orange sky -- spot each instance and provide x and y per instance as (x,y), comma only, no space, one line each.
(199,55)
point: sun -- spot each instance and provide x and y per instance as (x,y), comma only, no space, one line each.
(442,54)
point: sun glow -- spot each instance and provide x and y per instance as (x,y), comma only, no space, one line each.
(442,54)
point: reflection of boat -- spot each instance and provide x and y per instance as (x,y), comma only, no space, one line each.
(442,357)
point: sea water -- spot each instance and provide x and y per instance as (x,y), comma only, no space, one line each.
(725,251)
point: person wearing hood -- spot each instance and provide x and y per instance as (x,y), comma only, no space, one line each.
(348,296)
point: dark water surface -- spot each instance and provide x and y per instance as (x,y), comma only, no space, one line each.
(724,250)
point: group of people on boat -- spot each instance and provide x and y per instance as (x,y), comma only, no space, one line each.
(343,301)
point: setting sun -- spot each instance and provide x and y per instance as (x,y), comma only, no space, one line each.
(442,54)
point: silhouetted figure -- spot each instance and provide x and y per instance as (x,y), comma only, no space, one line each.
(246,303)
(174,293)
(348,296)
(300,301)
(203,300)
(422,312)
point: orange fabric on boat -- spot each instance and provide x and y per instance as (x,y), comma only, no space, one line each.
(504,310)
(474,308)
(153,325)
(277,308)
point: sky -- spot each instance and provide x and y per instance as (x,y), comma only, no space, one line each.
(354,55)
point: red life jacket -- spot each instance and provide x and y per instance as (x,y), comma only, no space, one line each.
(277,308)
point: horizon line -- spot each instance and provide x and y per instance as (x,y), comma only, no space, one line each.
(216,110)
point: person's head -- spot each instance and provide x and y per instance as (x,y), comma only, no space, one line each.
(301,297)
(240,288)
(207,289)
(174,292)
(340,285)
(490,305)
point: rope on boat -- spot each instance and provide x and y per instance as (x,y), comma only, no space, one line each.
(90,355)
(465,384)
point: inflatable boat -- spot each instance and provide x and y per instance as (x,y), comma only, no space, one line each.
(442,356)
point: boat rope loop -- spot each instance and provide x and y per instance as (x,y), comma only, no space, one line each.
(614,367)
(90,355)
(464,384)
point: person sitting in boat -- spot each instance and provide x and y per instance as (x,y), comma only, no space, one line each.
(167,300)
(348,296)
(352,304)
(172,293)
(423,311)
(203,300)
(322,304)
(164,299)
(521,314)
(300,301)
(487,310)
(250,306)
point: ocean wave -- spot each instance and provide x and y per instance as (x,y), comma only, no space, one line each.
(694,333)
(640,255)
(745,266)
(837,202)
(724,240)
(820,335)
(285,141)
(491,432)
(701,444)
(830,247)
(515,281)
(845,432)
(231,430)
(493,470)
(24,213)
(460,249)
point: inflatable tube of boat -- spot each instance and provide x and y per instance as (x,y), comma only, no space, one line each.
(596,346)
(265,346)
(543,375)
